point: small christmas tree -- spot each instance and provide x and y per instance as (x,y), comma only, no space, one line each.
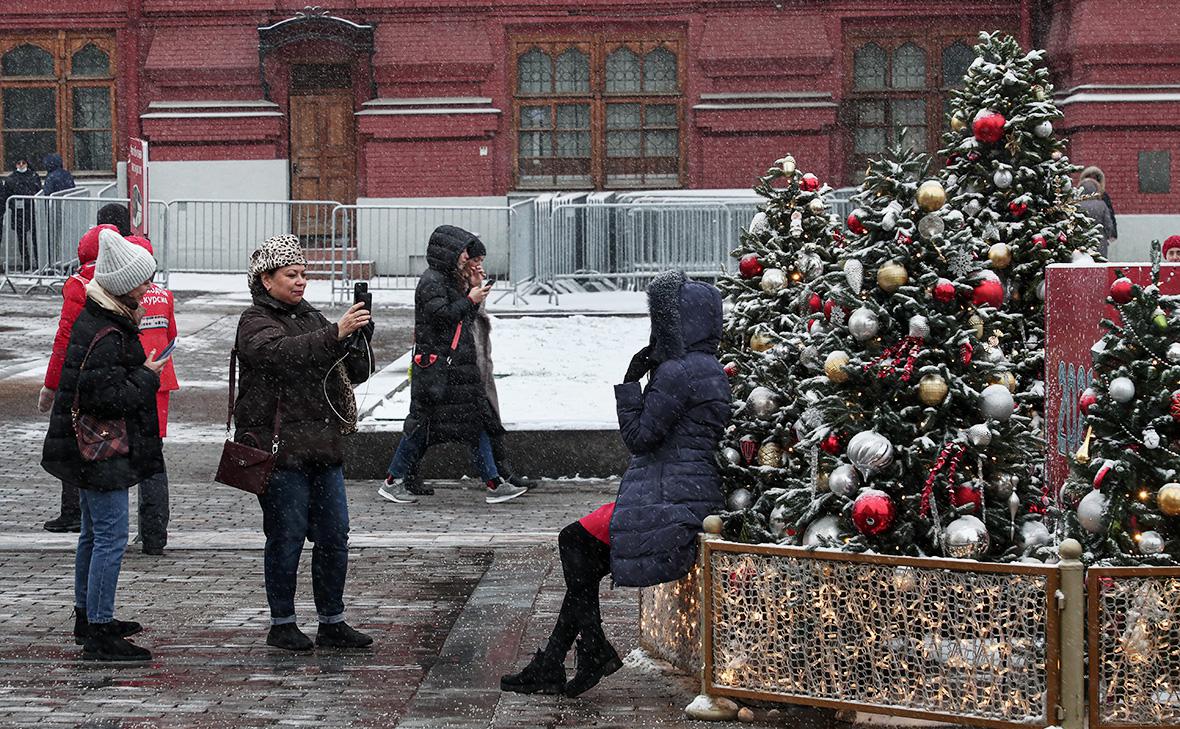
(1123,495)
(782,257)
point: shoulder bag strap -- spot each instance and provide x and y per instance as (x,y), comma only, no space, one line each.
(77,391)
(229,415)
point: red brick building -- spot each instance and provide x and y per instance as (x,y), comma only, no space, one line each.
(483,98)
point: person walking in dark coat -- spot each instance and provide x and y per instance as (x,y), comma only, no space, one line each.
(1092,205)
(295,391)
(23,181)
(1096,174)
(649,534)
(106,375)
(446,404)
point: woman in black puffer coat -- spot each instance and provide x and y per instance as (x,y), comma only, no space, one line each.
(648,535)
(106,375)
(445,308)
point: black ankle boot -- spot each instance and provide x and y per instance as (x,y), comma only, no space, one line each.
(596,659)
(63,523)
(544,674)
(341,635)
(105,644)
(122,628)
(289,637)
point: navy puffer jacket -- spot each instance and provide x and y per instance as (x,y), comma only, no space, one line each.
(672,429)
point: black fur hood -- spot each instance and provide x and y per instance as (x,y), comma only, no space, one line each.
(685,316)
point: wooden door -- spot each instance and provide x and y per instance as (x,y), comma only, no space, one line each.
(323,157)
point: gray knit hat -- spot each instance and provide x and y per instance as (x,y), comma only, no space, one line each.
(121,265)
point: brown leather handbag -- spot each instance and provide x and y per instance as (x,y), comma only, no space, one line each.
(243,466)
(98,439)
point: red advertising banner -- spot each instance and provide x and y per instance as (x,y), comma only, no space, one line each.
(1075,305)
(137,186)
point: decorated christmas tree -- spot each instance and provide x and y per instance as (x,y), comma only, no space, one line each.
(1123,496)
(925,450)
(1006,171)
(782,258)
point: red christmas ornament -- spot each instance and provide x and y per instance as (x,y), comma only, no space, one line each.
(973,156)
(831,444)
(1086,399)
(1103,471)
(1176,405)
(989,127)
(809,183)
(966,352)
(873,512)
(1039,241)
(854,223)
(748,448)
(1120,290)
(944,291)
(1062,239)
(904,238)
(731,369)
(1018,209)
(964,494)
(815,303)
(952,159)
(750,266)
(989,292)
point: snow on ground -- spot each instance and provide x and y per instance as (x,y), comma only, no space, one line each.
(554,373)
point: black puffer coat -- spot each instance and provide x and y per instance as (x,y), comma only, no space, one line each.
(440,304)
(672,429)
(114,384)
(285,352)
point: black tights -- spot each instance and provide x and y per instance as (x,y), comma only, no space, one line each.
(585,560)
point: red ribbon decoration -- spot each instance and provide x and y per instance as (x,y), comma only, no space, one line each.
(939,464)
(906,349)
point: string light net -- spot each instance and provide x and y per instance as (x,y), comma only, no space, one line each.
(1135,640)
(949,642)
(669,621)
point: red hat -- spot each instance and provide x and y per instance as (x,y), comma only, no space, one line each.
(142,242)
(1173,241)
(88,245)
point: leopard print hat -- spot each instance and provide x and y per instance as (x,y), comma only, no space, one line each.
(274,253)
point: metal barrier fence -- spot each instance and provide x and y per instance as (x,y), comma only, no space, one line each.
(1134,643)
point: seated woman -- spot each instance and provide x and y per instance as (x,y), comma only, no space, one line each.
(648,535)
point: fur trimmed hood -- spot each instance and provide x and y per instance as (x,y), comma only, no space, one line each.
(685,316)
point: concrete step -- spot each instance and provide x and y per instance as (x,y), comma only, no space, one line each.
(322,263)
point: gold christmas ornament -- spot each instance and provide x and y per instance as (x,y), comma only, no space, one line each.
(834,366)
(958,124)
(816,205)
(932,390)
(770,455)
(761,342)
(1083,455)
(976,324)
(892,276)
(1000,255)
(1007,379)
(821,482)
(1168,499)
(931,195)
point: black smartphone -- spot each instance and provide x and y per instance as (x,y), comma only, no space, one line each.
(360,294)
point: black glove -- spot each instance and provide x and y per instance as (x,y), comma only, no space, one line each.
(640,365)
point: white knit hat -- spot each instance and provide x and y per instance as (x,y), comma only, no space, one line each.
(121,265)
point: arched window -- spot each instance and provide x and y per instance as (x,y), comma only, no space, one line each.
(659,71)
(90,62)
(869,66)
(573,72)
(956,59)
(909,67)
(622,72)
(534,72)
(28,60)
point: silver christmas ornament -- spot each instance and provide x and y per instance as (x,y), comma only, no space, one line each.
(919,326)
(863,324)
(817,328)
(1081,257)
(732,455)
(1013,506)
(931,226)
(996,403)
(1034,534)
(1044,130)
(965,538)
(823,529)
(991,354)
(809,356)
(854,274)
(1041,290)
(773,280)
(740,499)
(759,224)
(1174,352)
(1092,512)
(1151,439)
(1150,542)
(811,265)
(1122,389)
(979,435)
(971,208)
(870,452)
(762,401)
(778,521)
(844,480)
(888,221)
(816,205)
(1002,179)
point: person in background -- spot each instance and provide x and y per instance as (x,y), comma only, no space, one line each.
(297,373)
(115,214)
(57,177)
(157,330)
(1096,174)
(5,193)
(107,375)
(1171,249)
(649,534)
(1092,205)
(23,181)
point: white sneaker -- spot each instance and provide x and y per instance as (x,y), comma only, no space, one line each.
(502,491)
(396,492)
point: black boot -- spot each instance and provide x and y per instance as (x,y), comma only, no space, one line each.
(341,635)
(596,659)
(63,523)
(122,628)
(105,644)
(544,674)
(289,637)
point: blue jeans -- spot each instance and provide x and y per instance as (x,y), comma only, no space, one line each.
(100,552)
(297,505)
(413,445)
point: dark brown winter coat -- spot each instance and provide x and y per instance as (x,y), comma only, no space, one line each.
(285,353)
